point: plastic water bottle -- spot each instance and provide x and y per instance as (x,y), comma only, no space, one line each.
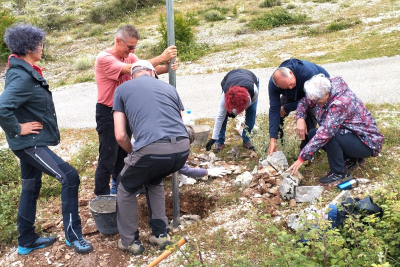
(347,185)
(188,118)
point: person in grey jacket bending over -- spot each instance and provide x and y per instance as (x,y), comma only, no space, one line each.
(239,93)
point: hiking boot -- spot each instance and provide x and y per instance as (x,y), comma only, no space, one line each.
(218,147)
(81,246)
(249,145)
(136,248)
(41,242)
(162,241)
(352,163)
(332,178)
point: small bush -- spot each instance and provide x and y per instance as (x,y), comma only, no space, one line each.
(96,30)
(83,64)
(188,49)
(9,166)
(242,19)
(341,25)
(213,15)
(115,9)
(6,20)
(275,18)
(290,6)
(52,22)
(19,4)
(270,3)
(239,31)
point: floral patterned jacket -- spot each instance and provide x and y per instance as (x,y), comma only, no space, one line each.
(343,112)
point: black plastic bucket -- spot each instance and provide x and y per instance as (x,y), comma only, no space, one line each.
(104,212)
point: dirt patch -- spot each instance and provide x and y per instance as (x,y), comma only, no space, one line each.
(104,205)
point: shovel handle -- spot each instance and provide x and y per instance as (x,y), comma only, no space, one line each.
(166,253)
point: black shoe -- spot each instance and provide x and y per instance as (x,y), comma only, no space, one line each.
(248,145)
(332,178)
(351,164)
(41,242)
(218,147)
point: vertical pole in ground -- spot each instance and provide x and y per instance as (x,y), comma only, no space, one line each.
(172,81)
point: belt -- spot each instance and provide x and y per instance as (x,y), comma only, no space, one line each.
(168,140)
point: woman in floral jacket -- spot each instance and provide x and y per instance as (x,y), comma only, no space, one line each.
(347,131)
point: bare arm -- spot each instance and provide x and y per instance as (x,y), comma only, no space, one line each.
(168,54)
(120,131)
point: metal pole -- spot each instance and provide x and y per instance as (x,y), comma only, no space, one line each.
(172,81)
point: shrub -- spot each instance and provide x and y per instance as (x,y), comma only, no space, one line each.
(290,6)
(341,25)
(213,15)
(115,9)
(83,64)
(58,22)
(188,49)
(6,20)
(270,3)
(19,4)
(9,166)
(275,18)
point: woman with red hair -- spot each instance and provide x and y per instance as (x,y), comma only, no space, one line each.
(239,93)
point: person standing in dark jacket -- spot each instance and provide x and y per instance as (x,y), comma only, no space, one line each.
(239,93)
(28,117)
(286,88)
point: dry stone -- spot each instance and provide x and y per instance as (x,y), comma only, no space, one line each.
(286,189)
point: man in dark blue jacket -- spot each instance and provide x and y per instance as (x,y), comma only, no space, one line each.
(286,88)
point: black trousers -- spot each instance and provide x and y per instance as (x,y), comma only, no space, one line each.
(35,161)
(111,155)
(342,147)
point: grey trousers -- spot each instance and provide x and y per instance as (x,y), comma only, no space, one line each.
(128,221)
(147,166)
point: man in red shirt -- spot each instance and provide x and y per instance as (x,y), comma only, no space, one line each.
(112,68)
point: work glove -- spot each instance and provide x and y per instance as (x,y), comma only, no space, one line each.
(210,144)
(186,180)
(216,172)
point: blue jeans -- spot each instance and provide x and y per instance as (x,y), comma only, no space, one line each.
(35,161)
(341,147)
(249,124)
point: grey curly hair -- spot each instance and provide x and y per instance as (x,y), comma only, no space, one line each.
(22,38)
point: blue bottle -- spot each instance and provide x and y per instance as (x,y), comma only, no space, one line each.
(347,185)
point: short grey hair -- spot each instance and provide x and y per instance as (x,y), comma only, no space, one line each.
(127,31)
(317,87)
(284,71)
(22,38)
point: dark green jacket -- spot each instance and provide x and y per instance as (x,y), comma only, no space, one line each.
(27,98)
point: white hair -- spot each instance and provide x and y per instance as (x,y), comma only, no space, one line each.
(316,87)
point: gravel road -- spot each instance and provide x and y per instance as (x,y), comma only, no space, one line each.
(373,80)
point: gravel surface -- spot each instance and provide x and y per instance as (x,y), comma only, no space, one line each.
(373,80)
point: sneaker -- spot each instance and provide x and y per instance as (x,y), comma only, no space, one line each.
(81,246)
(351,164)
(162,241)
(218,147)
(41,242)
(136,248)
(332,178)
(248,145)
(113,189)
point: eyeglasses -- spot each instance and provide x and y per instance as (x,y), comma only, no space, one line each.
(41,45)
(130,47)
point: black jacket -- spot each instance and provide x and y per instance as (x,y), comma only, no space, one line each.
(27,98)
